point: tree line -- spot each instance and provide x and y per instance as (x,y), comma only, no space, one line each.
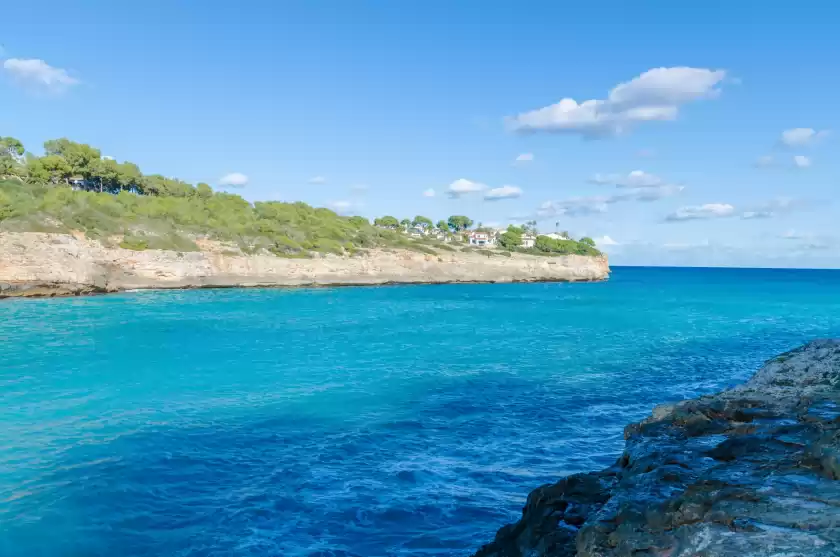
(455,223)
(84,167)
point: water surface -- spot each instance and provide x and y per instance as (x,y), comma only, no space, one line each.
(353,422)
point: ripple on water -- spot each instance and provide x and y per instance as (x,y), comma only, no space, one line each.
(353,422)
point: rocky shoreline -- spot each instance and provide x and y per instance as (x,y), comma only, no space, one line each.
(749,472)
(45,265)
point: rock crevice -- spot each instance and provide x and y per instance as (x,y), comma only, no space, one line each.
(748,472)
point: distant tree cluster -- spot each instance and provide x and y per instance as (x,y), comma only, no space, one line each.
(455,223)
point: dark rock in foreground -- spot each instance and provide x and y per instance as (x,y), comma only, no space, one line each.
(748,472)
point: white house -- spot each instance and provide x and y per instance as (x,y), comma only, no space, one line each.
(416,232)
(528,240)
(556,236)
(482,239)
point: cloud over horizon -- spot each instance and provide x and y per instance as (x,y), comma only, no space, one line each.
(234,180)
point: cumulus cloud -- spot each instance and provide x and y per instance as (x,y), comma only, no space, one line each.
(525,157)
(234,180)
(504,192)
(462,187)
(702,212)
(429,192)
(37,73)
(655,95)
(317,180)
(800,137)
(801,161)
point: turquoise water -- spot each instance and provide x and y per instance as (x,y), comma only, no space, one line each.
(353,422)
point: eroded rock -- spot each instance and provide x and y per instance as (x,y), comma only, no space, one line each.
(749,472)
(39,264)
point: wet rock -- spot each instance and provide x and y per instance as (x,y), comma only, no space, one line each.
(749,472)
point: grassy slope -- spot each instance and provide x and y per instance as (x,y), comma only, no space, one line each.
(164,222)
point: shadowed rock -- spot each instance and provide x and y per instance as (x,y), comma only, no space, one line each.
(749,472)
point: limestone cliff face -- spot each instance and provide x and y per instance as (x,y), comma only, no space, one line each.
(749,472)
(37,264)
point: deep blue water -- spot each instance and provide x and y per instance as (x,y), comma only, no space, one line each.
(353,422)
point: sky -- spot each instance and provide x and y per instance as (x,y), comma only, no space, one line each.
(674,133)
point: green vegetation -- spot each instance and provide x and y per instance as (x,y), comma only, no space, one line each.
(459,223)
(73,188)
(512,238)
(566,247)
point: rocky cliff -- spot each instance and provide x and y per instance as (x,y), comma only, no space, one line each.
(749,472)
(36,264)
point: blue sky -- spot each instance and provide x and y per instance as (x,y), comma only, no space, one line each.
(366,106)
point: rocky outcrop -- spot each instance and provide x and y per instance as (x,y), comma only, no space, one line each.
(749,472)
(37,264)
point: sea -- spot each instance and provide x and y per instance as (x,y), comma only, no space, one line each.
(344,422)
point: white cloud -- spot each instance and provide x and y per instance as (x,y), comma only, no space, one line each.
(317,180)
(37,73)
(234,180)
(751,215)
(799,137)
(801,161)
(635,179)
(525,157)
(504,192)
(463,186)
(595,204)
(573,207)
(764,161)
(702,212)
(605,241)
(429,192)
(655,95)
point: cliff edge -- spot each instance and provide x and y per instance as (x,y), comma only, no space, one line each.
(41,264)
(749,472)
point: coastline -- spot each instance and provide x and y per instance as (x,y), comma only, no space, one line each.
(51,265)
(749,471)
